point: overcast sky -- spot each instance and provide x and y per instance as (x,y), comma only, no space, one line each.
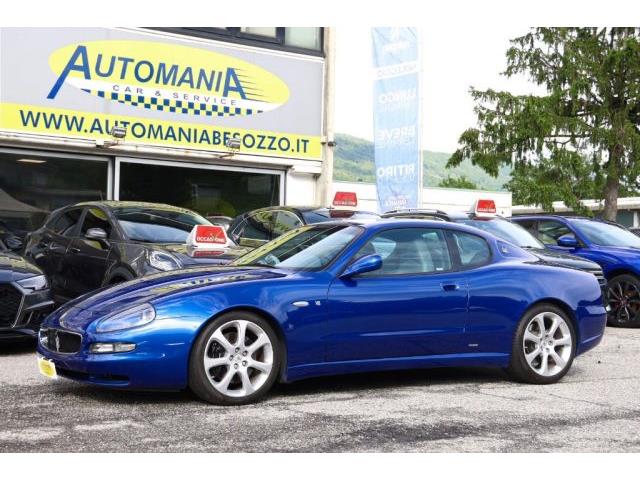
(453,60)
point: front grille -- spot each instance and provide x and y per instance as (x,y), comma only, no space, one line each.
(599,274)
(60,341)
(10,301)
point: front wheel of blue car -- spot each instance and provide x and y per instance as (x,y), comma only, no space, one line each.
(235,359)
(544,346)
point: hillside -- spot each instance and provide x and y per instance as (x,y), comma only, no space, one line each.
(353,162)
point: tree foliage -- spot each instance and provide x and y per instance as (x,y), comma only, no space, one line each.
(581,138)
(457,182)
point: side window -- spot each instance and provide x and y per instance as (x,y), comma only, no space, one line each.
(552,230)
(474,250)
(95,218)
(66,222)
(409,251)
(285,221)
(529,226)
(257,229)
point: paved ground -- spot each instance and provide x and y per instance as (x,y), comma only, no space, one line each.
(595,408)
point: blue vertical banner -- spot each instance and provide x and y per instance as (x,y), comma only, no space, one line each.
(396,117)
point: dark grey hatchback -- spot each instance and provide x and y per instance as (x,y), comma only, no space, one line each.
(90,245)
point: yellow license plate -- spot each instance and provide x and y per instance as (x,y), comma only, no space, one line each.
(47,368)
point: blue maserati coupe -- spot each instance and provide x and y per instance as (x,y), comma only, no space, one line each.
(331,298)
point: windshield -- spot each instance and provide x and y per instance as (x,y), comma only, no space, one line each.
(155,225)
(306,248)
(606,234)
(506,230)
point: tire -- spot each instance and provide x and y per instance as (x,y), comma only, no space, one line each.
(118,275)
(527,367)
(624,301)
(247,369)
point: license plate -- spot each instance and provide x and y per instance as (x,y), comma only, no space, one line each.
(47,368)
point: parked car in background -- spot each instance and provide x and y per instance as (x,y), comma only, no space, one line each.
(635,230)
(257,227)
(221,220)
(483,215)
(89,245)
(331,298)
(612,246)
(24,296)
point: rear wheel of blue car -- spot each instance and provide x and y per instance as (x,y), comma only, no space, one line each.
(624,301)
(235,359)
(544,346)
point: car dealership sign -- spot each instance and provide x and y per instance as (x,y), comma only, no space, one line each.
(165,90)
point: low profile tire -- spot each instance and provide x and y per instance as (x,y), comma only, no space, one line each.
(624,301)
(235,359)
(544,346)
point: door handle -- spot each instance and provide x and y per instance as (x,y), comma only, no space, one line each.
(450,287)
(74,250)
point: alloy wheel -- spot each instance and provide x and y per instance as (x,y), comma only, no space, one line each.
(238,358)
(547,344)
(624,301)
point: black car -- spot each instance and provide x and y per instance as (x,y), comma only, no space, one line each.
(257,227)
(89,245)
(509,231)
(24,296)
(221,220)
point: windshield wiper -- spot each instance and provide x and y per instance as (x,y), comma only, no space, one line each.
(258,264)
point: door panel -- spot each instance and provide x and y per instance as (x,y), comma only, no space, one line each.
(415,305)
(87,259)
(396,317)
(54,243)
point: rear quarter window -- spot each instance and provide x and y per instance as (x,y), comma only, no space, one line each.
(474,250)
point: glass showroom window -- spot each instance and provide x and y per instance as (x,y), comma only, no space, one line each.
(33,185)
(260,31)
(303,37)
(206,191)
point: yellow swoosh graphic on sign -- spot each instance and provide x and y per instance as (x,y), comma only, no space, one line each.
(168,77)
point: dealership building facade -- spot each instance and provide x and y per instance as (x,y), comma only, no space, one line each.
(218,120)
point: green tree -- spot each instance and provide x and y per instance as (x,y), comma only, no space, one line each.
(581,138)
(457,182)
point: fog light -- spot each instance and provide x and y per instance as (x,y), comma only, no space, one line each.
(111,347)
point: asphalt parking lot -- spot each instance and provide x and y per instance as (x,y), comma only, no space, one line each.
(596,408)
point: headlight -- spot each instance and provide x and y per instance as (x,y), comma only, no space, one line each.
(130,318)
(34,283)
(163,261)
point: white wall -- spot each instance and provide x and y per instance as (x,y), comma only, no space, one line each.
(301,189)
(447,199)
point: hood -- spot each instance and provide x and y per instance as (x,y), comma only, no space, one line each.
(148,289)
(625,252)
(189,256)
(564,259)
(613,256)
(13,267)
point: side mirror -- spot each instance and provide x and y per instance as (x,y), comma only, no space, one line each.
(368,263)
(96,234)
(568,241)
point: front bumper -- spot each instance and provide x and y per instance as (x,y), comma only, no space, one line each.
(159,361)
(592,321)
(26,311)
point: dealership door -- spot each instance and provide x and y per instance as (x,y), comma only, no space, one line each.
(207,189)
